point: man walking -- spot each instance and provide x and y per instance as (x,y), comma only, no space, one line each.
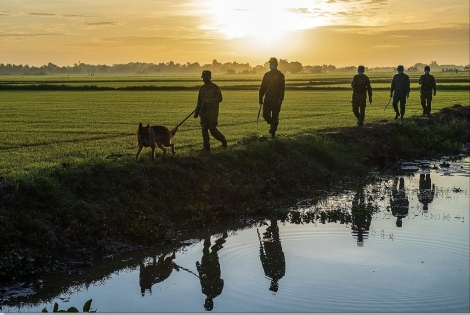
(428,86)
(400,90)
(208,109)
(272,89)
(360,85)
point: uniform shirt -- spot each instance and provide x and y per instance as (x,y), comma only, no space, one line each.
(208,100)
(272,86)
(401,82)
(427,82)
(361,84)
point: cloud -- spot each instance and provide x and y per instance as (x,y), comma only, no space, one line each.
(102,23)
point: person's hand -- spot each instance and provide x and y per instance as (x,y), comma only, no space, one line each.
(434,93)
(196,115)
(279,103)
(407,95)
(391,94)
(370,100)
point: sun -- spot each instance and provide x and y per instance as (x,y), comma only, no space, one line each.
(264,19)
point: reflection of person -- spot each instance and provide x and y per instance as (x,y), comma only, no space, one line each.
(209,271)
(428,88)
(400,91)
(361,218)
(272,256)
(208,109)
(399,201)
(360,85)
(272,89)
(156,272)
(426,190)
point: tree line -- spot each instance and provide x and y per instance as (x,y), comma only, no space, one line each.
(177,68)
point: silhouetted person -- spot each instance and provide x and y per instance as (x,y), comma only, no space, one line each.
(400,91)
(399,203)
(272,256)
(426,190)
(156,272)
(361,218)
(209,271)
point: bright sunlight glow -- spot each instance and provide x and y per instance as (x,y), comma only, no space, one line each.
(268,19)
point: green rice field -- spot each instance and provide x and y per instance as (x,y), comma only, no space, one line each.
(45,128)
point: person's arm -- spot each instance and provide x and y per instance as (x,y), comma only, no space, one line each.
(369,90)
(434,86)
(263,88)
(283,88)
(199,104)
(392,87)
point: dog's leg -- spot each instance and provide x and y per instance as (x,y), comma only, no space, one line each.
(138,153)
(172,145)
(160,145)
(153,152)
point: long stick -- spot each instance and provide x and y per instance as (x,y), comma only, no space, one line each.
(388,103)
(259,111)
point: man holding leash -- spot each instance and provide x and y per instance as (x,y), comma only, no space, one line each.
(360,85)
(400,91)
(272,89)
(208,109)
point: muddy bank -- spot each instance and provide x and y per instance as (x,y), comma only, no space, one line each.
(65,220)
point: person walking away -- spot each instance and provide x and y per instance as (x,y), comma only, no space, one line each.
(361,89)
(272,90)
(400,90)
(426,91)
(208,109)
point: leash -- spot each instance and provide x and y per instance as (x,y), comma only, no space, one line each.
(185,119)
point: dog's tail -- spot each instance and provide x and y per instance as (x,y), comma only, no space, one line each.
(173,131)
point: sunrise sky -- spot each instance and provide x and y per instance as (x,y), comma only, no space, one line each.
(339,32)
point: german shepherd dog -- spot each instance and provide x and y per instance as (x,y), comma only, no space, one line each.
(151,136)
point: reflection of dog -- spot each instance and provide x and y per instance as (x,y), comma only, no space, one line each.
(156,271)
(151,136)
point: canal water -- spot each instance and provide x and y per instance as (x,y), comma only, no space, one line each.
(399,243)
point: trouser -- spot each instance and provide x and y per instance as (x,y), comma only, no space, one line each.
(399,96)
(271,110)
(209,124)
(359,106)
(426,98)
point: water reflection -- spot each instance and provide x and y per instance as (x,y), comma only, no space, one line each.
(271,255)
(426,191)
(156,271)
(361,218)
(399,202)
(323,239)
(209,271)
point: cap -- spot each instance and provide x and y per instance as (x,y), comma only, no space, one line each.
(427,68)
(273,61)
(206,73)
(361,68)
(400,68)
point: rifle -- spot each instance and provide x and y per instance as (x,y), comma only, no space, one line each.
(259,110)
(388,102)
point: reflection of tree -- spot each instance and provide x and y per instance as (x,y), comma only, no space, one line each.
(399,203)
(426,190)
(361,217)
(272,256)
(209,271)
(156,272)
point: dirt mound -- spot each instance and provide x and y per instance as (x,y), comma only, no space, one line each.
(379,139)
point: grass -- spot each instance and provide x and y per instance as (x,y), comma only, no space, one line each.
(69,181)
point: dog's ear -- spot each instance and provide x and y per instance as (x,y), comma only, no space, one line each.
(148,125)
(140,125)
